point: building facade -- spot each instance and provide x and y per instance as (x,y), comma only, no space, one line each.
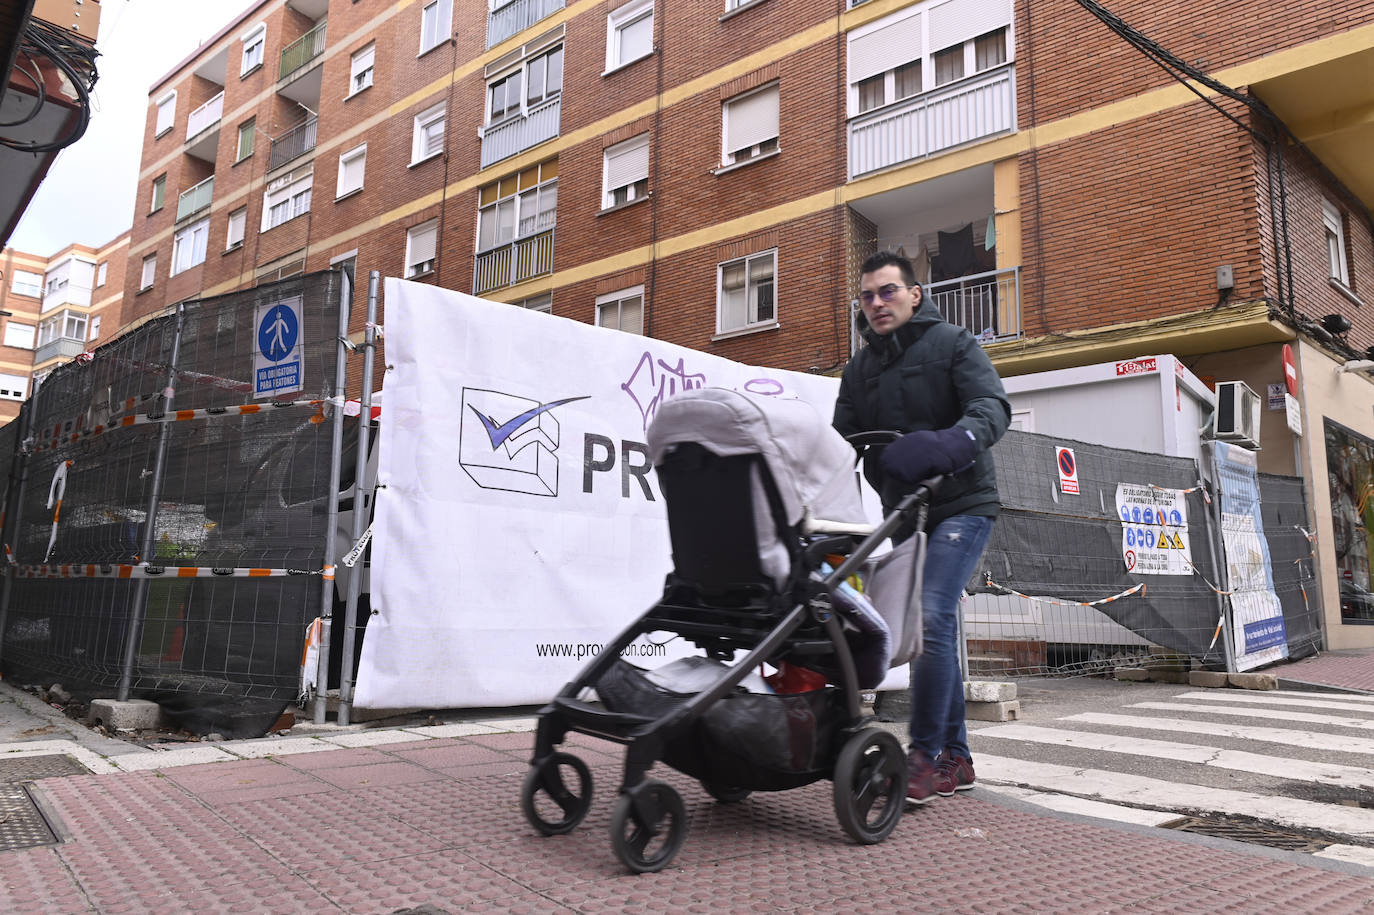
(1075,186)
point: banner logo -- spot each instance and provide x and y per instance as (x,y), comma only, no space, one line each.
(510,443)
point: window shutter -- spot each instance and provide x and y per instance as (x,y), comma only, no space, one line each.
(752,119)
(627,163)
(422,245)
(886,48)
(959,20)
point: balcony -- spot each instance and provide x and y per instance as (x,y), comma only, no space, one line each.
(196,198)
(509,138)
(522,259)
(516,16)
(296,142)
(988,304)
(202,129)
(66,347)
(973,109)
(299,75)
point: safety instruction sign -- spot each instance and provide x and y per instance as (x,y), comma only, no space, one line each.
(278,356)
(1154,530)
(1068,470)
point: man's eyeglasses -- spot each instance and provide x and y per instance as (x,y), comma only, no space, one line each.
(886,293)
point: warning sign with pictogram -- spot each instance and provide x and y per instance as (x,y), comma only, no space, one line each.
(1154,530)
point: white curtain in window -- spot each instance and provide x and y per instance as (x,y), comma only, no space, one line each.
(885,48)
(956,21)
(752,119)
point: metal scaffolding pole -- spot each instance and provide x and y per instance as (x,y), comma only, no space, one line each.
(139,605)
(362,501)
(332,512)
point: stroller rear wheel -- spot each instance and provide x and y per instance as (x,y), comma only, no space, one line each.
(726,794)
(545,792)
(870,785)
(648,826)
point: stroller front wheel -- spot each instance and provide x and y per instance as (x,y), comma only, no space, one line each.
(545,793)
(870,785)
(648,826)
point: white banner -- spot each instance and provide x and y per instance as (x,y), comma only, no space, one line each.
(519,525)
(1154,530)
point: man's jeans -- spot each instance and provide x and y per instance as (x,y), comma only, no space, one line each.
(937,684)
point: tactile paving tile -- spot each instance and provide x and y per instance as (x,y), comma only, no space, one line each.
(21,825)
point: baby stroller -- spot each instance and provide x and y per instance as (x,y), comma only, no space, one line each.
(762,502)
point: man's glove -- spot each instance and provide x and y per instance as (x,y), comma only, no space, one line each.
(925,453)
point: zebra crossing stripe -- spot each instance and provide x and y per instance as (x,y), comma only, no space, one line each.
(1312,739)
(1141,791)
(1352,777)
(1355,854)
(1354,705)
(1101,810)
(1305,717)
(1352,697)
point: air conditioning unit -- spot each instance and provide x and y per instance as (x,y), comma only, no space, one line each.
(1237,416)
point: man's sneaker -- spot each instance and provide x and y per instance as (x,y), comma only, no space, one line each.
(920,778)
(952,773)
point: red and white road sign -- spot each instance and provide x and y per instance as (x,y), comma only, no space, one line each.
(1068,470)
(1290,370)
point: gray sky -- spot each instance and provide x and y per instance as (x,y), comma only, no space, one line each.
(88,195)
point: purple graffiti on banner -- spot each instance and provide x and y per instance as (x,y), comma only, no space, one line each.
(654,381)
(765,386)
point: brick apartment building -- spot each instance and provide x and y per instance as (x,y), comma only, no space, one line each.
(53,309)
(711,172)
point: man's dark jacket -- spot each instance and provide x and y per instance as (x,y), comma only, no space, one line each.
(927,374)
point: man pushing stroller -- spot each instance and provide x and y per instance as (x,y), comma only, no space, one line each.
(930,379)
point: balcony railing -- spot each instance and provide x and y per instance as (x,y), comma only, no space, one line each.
(68,347)
(522,259)
(297,141)
(204,116)
(517,16)
(972,109)
(303,50)
(988,304)
(508,138)
(196,198)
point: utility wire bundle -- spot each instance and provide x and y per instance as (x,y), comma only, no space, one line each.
(75,59)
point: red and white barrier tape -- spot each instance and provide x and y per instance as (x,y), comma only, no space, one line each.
(148,570)
(1064,603)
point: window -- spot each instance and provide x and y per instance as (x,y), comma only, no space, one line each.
(517,206)
(233,235)
(360,69)
(159,193)
(949,65)
(622,310)
(750,126)
(351,166)
(94,333)
(436,20)
(188,246)
(247,131)
(69,325)
(12,387)
(149,272)
(429,134)
(287,197)
(746,292)
(539,78)
(26,283)
(20,335)
(542,303)
(989,50)
(254,40)
(166,113)
(625,172)
(420,248)
(629,33)
(100,274)
(1334,224)
(291,265)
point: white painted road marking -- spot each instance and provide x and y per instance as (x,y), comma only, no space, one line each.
(1285,715)
(1339,743)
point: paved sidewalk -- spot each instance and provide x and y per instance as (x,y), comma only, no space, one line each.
(1351,669)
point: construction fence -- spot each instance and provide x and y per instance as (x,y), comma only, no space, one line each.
(168,507)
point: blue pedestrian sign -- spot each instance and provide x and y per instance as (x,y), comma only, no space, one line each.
(278,360)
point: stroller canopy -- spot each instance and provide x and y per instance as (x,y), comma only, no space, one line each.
(812,465)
